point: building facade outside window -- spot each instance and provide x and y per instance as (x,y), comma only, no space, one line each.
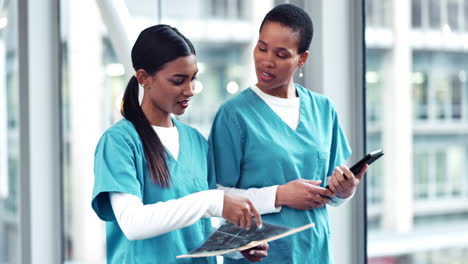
(425,226)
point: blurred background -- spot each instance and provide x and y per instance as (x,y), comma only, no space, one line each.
(406,61)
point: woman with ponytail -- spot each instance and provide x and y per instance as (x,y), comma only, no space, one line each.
(151,170)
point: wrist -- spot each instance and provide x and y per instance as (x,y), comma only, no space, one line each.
(225,201)
(279,196)
(219,204)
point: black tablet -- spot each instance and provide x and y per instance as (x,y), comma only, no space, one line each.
(367,159)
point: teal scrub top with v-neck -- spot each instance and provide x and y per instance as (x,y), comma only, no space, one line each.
(250,146)
(120,166)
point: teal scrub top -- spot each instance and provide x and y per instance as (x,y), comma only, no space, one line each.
(120,166)
(250,146)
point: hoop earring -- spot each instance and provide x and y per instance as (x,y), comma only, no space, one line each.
(300,73)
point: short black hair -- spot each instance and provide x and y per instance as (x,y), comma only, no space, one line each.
(295,18)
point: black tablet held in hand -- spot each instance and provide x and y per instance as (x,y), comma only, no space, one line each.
(368,159)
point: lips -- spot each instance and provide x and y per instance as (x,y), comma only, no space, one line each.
(265,76)
(183,103)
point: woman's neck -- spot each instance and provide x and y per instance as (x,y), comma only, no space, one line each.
(157,117)
(286,91)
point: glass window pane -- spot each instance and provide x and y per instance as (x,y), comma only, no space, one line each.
(465,14)
(441,174)
(431,197)
(452,15)
(456,96)
(416,10)
(421,175)
(456,178)
(420,95)
(370,14)
(9,148)
(434,14)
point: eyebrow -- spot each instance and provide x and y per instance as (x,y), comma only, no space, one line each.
(277,49)
(183,75)
(180,75)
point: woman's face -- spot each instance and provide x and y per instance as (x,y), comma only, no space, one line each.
(276,56)
(170,89)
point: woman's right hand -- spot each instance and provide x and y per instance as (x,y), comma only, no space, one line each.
(303,194)
(239,211)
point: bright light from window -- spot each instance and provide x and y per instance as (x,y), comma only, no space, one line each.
(446,29)
(198,87)
(417,77)
(115,69)
(372,77)
(3,22)
(118,102)
(232,87)
(201,68)
(462,76)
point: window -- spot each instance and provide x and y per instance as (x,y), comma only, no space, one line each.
(452,15)
(465,14)
(456,96)
(407,204)
(377,13)
(370,14)
(439,85)
(223,9)
(422,174)
(437,172)
(9,134)
(416,14)
(434,14)
(420,95)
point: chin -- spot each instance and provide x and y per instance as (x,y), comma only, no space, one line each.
(178,113)
(268,86)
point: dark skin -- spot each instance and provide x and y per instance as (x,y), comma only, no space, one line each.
(344,187)
(257,253)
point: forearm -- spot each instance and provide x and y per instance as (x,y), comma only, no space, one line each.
(139,221)
(262,198)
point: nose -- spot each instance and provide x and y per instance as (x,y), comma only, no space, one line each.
(188,89)
(268,60)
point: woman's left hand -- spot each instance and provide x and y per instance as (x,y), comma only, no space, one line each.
(256,254)
(343,182)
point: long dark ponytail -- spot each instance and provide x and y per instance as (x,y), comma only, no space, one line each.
(154,47)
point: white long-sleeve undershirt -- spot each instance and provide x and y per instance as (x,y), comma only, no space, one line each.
(263,199)
(139,221)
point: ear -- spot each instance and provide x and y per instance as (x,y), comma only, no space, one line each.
(143,78)
(303,58)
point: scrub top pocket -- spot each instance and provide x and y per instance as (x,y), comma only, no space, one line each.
(322,165)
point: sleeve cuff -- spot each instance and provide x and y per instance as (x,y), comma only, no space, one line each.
(337,201)
(263,199)
(266,199)
(234,255)
(216,199)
